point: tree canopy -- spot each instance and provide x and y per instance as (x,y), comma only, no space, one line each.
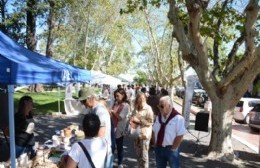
(220,41)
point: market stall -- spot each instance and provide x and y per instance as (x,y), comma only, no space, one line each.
(24,67)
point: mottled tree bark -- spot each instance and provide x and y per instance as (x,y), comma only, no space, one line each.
(3,15)
(226,91)
(31,40)
(51,29)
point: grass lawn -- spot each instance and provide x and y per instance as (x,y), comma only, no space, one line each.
(45,102)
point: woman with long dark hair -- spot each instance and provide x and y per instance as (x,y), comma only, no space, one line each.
(24,126)
(119,112)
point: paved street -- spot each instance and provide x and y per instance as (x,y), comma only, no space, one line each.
(243,133)
(193,154)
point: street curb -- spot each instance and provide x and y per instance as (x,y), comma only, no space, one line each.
(191,110)
(254,148)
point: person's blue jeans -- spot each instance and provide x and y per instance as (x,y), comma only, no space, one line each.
(120,150)
(21,149)
(164,155)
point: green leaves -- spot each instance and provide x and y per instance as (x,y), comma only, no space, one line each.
(133,5)
(141,78)
(240,28)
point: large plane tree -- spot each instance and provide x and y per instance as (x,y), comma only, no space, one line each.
(219,40)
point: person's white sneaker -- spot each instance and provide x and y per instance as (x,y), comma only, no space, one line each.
(120,166)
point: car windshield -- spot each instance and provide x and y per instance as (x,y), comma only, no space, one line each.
(240,104)
(253,103)
(256,108)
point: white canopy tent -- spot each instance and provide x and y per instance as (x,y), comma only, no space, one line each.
(126,78)
(101,78)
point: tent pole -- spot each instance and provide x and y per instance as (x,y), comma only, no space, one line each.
(59,99)
(11,124)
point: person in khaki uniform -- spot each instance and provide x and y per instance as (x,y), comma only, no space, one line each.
(142,116)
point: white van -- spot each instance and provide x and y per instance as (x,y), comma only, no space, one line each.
(242,109)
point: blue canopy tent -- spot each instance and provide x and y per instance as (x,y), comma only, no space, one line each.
(22,66)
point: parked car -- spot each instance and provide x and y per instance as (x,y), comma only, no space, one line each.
(243,107)
(180,91)
(199,97)
(254,118)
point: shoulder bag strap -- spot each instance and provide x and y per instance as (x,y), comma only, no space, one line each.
(87,154)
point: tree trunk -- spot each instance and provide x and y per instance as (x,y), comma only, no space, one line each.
(51,25)
(36,88)
(31,24)
(3,16)
(220,143)
(31,40)
(31,88)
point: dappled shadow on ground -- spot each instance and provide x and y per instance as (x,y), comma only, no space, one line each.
(194,155)
(130,158)
(45,128)
(46,125)
(249,157)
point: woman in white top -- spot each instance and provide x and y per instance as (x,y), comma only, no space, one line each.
(97,147)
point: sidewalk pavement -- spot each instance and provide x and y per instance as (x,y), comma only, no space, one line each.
(241,134)
(246,156)
(193,154)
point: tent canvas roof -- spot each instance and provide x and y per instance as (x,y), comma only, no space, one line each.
(22,66)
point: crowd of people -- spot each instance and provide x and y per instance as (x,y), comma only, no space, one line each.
(106,126)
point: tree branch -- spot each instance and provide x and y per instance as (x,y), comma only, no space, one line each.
(244,65)
(250,54)
(232,53)
(216,42)
(171,63)
(251,16)
(154,45)
(248,76)
(179,32)
(195,9)
(151,32)
(164,32)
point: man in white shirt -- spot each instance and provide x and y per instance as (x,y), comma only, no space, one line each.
(168,130)
(89,99)
(129,93)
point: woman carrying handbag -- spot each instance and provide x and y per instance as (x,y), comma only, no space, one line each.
(142,117)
